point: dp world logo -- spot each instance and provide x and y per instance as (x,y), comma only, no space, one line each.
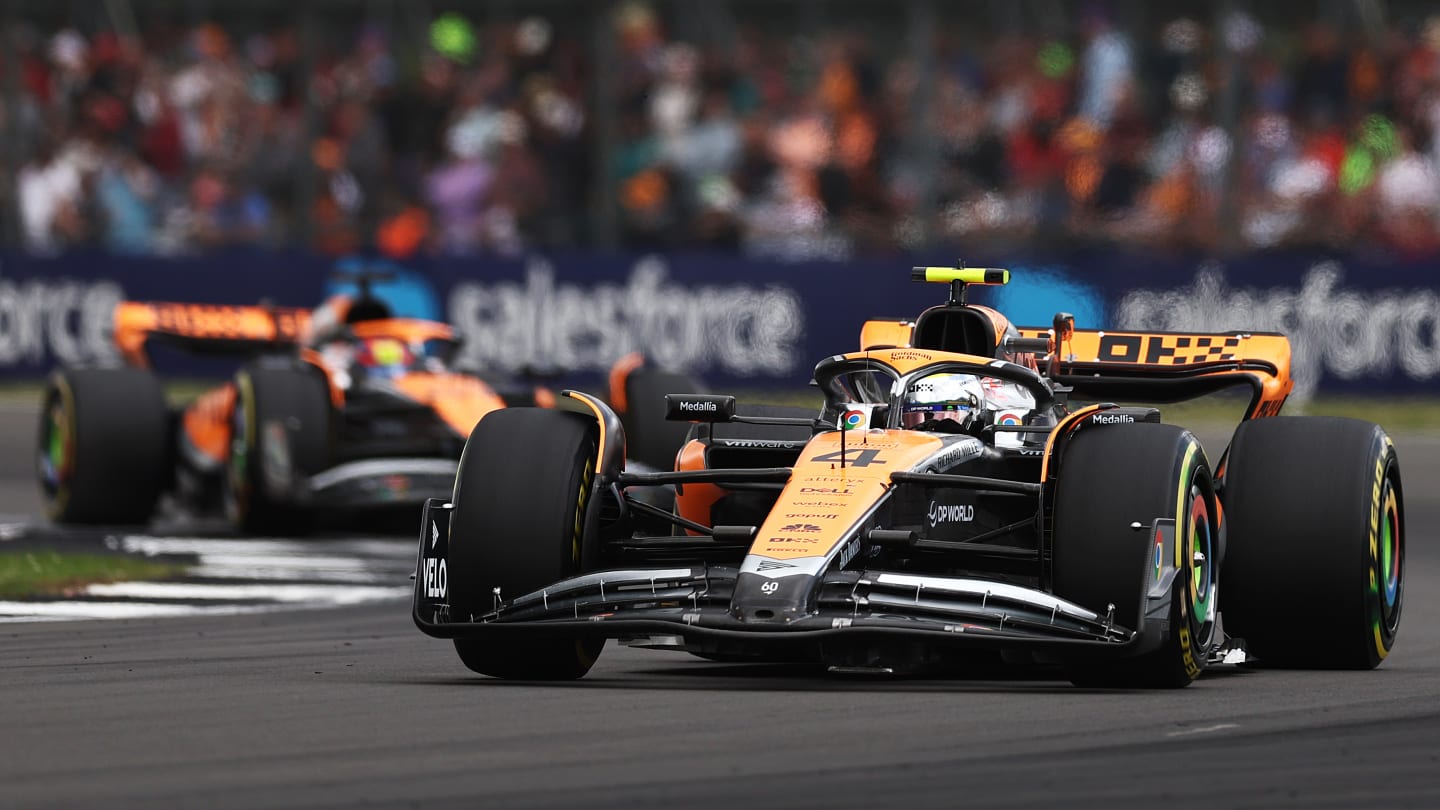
(800,527)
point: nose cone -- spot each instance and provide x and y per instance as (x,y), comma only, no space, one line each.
(759,599)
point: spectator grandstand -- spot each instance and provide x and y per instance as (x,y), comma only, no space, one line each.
(804,129)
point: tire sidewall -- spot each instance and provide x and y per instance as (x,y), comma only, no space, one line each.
(512,528)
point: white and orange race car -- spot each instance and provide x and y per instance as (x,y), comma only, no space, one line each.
(342,407)
(967,491)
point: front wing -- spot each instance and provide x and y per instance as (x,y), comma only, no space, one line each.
(380,482)
(688,607)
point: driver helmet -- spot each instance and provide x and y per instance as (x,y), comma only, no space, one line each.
(941,397)
(384,357)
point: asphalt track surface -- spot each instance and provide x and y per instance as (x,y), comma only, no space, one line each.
(355,707)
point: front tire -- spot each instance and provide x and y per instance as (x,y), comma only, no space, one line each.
(1111,479)
(520,523)
(1314,575)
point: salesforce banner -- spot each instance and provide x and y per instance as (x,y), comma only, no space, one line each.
(1359,325)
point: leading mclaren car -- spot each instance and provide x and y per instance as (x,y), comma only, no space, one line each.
(952,499)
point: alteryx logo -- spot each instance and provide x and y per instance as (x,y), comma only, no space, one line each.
(1035,294)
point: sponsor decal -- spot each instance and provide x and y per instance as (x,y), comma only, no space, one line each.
(800,527)
(1159,553)
(65,321)
(1112,419)
(772,565)
(1187,654)
(813,504)
(218,322)
(807,540)
(848,553)
(1031,451)
(769,445)
(811,516)
(686,405)
(540,322)
(912,355)
(827,479)
(956,453)
(1335,331)
(828,490)
(435,580)
(852,456)
(950,513)
(1171,350)
(1009,418)
(856,416)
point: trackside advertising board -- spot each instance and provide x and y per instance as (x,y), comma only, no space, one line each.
(1359,325)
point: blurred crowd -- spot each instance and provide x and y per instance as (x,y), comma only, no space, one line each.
(486,136)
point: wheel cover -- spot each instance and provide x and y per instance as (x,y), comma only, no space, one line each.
(1385,577)
(237,470)
(57,448)
(1194,551)
(1198,544)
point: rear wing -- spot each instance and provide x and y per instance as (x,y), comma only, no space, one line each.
(1170,366)
(205,328)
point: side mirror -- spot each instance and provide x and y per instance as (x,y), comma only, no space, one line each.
(699,407)
(1063,330)
(1064,326)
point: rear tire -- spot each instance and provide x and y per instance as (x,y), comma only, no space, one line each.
(1314,574)
(104,446)
(520,523)
(1114,477)
(280,435)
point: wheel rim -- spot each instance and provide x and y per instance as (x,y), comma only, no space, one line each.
(237,471)
(1199,547)
(57,448)
(1195,553)
(1385,579)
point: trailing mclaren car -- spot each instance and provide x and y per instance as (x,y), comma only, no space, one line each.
(952,500)
(340,408)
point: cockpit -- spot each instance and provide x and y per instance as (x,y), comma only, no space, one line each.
(953,397)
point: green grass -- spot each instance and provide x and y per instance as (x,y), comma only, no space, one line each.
(49,573)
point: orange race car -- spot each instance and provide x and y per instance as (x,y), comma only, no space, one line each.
(338,407)
(969,491)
